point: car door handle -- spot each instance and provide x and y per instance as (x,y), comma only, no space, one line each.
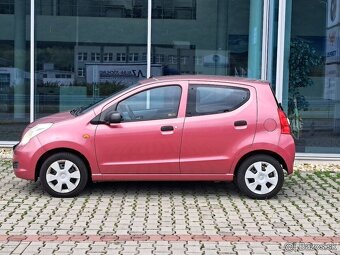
(167,128)
(240,123)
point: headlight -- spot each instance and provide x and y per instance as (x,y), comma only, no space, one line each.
(34,131)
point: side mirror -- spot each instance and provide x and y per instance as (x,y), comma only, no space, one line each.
(113,117)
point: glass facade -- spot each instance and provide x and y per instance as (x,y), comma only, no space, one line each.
(86,50)
(313,81)
(14,68)
(208,37)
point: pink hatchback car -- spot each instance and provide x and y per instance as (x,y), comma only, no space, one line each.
(178,128)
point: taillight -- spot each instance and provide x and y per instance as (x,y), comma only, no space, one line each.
(285,127)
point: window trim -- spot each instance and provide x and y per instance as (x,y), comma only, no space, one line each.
(191,101)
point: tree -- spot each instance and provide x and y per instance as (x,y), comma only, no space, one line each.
(302,61)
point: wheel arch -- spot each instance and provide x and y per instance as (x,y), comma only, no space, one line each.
(57,150)
(260,152)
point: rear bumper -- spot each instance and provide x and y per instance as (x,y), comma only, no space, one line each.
(287,146)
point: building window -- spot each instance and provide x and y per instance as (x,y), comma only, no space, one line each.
(159,58)
(172,59)
(44,75)
(108,57)
(133,57)
(184,60)
(81,72)
(312,101)
(171,9)
(95,57)
(144,56)
(82,56)
(121,57)
(101,8)
(7,7)
(61,75)
(4,80)
(198,60)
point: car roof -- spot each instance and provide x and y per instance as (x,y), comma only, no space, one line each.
(210,78)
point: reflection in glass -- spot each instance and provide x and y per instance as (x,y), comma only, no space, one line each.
(173,9)
(314,77)
(93,8)
(214,37)
(83,59)
(14,69)
(152,104)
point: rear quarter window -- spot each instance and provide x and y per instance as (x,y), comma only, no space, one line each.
(214,99)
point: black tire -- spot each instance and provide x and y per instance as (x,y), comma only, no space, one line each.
(76,176)
(263,185)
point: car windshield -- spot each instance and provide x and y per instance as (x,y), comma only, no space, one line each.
(83,109)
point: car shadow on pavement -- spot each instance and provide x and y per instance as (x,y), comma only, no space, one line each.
(146,188)
(163,188)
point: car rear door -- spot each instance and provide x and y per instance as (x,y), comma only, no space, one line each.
(220,120)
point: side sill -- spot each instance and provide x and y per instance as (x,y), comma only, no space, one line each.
(162,177)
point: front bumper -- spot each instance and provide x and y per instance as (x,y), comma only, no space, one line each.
(25,159)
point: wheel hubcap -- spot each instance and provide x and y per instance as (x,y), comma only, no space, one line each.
(261,177)
(63,176)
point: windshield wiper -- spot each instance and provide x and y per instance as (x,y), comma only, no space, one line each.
(77,111)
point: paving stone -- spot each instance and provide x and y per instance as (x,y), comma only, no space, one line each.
(184,213)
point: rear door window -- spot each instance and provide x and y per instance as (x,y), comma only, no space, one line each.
(214,99)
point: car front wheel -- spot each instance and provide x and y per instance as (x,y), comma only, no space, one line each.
(260,177)
(63,175)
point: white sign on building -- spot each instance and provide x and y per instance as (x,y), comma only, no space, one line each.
(332,78)
(125,73)
(333,13)
(332,69)
(333,45)
(213,62)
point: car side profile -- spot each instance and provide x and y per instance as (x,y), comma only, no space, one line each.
(171,128)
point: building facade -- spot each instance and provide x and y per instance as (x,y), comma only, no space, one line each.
(59,54)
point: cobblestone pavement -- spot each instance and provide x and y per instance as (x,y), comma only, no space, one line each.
(171,218)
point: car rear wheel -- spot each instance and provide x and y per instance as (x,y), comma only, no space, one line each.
(260,177)
(63,175)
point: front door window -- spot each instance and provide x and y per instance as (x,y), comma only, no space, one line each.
(152,104)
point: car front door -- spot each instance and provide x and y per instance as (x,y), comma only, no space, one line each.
(220,120)
(148,139)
